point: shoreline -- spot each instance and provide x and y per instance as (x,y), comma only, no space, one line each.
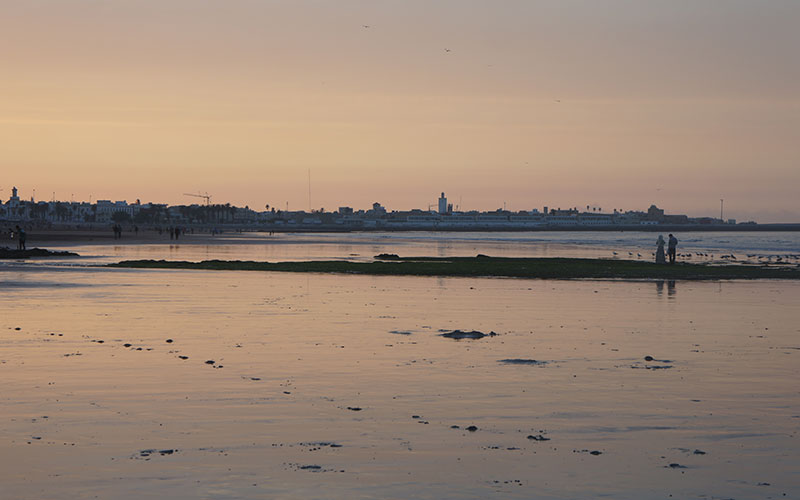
(68,237)
(482,266)
(88,235)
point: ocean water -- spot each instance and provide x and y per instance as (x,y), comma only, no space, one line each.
(710,247)
(203,384)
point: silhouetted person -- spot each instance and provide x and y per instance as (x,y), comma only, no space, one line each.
(21,236)
(672,248)
(660,259)
(177,232)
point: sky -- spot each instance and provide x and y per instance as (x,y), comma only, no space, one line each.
(522,104)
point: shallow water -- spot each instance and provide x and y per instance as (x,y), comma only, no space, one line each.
(706,247)
(296,351)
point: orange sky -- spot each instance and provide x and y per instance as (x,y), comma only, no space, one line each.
(616,104)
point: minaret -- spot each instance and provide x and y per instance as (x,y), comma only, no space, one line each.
(13,202)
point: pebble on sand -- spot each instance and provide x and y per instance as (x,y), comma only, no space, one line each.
(538,438)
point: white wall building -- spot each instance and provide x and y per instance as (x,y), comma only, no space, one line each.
(442,204)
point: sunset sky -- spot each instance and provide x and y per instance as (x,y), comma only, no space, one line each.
(616,104)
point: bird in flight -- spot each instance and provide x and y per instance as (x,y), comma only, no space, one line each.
(365,26)
(447,50)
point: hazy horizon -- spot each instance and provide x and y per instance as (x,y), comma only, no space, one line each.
(616,104)
(198,198)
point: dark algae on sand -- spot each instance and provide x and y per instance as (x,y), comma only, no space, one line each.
(483,266)
(8,253)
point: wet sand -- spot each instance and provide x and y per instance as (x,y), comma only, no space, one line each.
(328,386)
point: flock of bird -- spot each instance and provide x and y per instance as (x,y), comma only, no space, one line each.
(750,258)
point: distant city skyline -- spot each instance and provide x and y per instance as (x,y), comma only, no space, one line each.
(445,216)
(442,204)
(561,103)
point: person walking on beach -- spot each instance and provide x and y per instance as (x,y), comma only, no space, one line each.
(660,259)
(672,248)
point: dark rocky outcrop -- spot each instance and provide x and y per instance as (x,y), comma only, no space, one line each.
(473,335)
(8,253)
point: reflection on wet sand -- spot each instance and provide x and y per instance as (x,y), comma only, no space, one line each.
(670,287)
(256,385)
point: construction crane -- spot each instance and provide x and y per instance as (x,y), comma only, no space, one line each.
(206,196)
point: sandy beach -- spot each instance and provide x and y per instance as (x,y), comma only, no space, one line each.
(204,384)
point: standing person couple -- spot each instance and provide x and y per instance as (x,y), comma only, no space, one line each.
(672,247)
(21,236)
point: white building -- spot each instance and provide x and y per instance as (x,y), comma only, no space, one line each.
(562,220)
(13,202)
(442,204)
(589,219)
(106,209)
